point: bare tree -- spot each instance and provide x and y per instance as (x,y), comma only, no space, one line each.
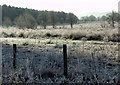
(92,18)
(43,19)
(71,18)
(26,20)
(112,18)
(7,22)
(103,21)
(52,18)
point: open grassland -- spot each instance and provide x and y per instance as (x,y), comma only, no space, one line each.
(92,31)
(92,54)
(42,62)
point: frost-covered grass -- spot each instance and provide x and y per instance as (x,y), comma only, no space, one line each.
(41,61)
(40,54)
(90,31)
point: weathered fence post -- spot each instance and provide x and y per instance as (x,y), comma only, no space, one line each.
(65,59)
(14,56)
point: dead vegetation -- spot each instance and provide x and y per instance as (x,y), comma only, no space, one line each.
(40,58)
(77,33)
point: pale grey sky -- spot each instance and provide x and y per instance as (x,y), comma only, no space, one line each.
(78,7)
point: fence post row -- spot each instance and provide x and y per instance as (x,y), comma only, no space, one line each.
(14,56)
(65,59)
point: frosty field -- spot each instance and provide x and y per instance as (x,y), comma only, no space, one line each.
(92,55)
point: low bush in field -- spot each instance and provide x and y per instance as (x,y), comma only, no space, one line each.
(114,37)
(74,34)
(4,34)
(94,37)
(21,34)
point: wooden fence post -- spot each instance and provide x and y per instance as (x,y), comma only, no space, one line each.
(14,56)
(65,59)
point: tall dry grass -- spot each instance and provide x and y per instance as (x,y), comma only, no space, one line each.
(75,34)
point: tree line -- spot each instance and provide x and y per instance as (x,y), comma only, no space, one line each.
(30,18)
(111,18)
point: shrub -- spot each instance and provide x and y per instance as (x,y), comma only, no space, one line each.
(12,35)
(49,42)
(25,43)
(114,37)
(73,36)
(56,35)
(26,20)
(94,37)
(4,34)
(21,35)
(47,35)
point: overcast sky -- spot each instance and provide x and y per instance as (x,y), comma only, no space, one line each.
(76,6)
